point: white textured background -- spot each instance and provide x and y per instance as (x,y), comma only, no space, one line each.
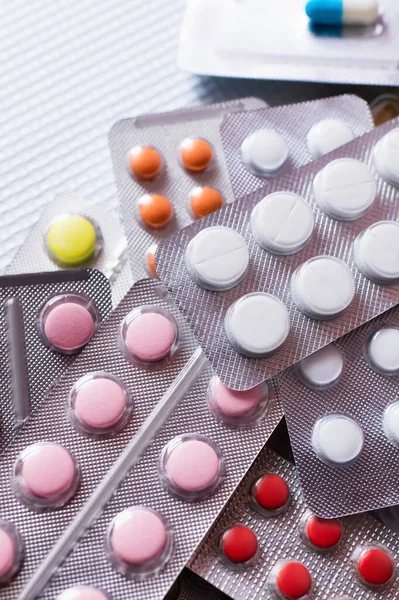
(68,70)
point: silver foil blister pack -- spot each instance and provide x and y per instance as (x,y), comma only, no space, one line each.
(283,537)
(164,133)
(31,364)
(110,255)
(358,407)
(327,307)
(293,122)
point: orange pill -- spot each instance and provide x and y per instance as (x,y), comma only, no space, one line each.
(155,210)
(150,261)
(205,200)
(145,162)
(195,154)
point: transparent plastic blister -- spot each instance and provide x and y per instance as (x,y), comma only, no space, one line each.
(164,196)
(293,123)
(322,280)
(246,39)
(347,434)
(70,229)
(31,362)
(299,554)
(12,551)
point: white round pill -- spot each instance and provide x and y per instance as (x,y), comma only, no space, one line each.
(376,252)
(322,368)
(383,350)
(327,135)
(323,287)
(282,223)
(264,152)
(337,440)
(345,189)
(386,157)
(391,423)
(217,258)
(257,324)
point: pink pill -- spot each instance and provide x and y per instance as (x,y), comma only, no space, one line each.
(69,326)
(7,552)
(150,337)
(100,403)
(193,465)
(82,592)
(235,404)
(48,470)
(138,536)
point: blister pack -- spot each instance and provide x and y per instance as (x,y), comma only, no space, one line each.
(341,41)
(192,587)
(45,321)
(293,266)
(169,170)
(270,141)
(346,432)
(70,234)
(267,544)
(159,488)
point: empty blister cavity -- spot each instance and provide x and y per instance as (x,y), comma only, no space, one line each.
(139,542)
(337,440)
(383,351)
(46,475)
(73,239)
(239,547)
(323,287)
(99,403)
(282,223)
(83,592)
(345,189)
(290,580)
(322,369)
(264,152)
(196,154)
(217,258)
(376,252)
(11,551)
(154,211)
(386,157)
(257,324)
(148,335)
(145,162)
(270,495)
(238,409)
(374,565)
(67,322)
(327,135)
(191,467)
(320,534)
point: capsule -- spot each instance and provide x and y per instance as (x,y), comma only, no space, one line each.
(343,12)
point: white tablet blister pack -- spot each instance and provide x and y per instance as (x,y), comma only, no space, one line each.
(269,142)
(336,41)
(71,233)
(145,438)
(293,266)
(345,432)
(169,170)
(268,544)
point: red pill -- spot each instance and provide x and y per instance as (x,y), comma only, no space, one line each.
(239,544)
(324,534)
(375,566)
(271,492)
(293,580)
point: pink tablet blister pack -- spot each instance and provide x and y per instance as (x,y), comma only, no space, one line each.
(345,427)
(293,266)
(268,544)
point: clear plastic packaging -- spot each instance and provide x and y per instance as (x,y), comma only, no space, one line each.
(238,409)
(239,548)
(12,551)
(73,240)
(374,565)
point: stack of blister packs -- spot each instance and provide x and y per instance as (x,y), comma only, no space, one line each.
(146,365)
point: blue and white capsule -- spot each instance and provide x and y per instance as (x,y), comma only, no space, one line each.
(343,12)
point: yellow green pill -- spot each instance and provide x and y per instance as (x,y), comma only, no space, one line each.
(71,240)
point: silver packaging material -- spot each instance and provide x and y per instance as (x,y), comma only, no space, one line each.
(165,132)
(32,257)
(293,122)
(280,539)
(40,365)
(362,392)
(272,274)
(192,587)
(249,39)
